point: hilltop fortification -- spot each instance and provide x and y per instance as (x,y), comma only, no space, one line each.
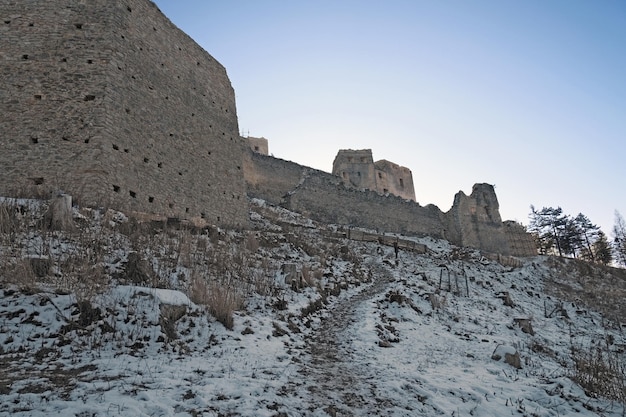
(357,169)
(109,101)
(473,220)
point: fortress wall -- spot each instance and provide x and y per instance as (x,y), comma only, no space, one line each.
(395,179)
(356,168)
(117,106)
(473,220)
(52,69)
(270,178)
(520,242)
(477,222)
(259,145)
(324,197)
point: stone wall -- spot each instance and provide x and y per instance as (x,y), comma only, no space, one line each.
(394,179)
(357,169)
(259,145)
(325,198)
(270,178)
(107,100)
(473,220)
(520,242)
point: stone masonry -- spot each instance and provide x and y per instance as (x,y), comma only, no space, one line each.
(357,169)
(259,145)
(473,220)
(107,100)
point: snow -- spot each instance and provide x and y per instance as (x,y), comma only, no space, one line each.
(371,336)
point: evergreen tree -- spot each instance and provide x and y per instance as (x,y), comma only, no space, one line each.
(602,250)
(588,234)
(547,225)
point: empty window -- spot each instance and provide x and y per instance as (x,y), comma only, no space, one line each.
(380,175)
(401,183)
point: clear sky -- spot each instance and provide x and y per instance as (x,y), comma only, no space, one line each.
(527,95)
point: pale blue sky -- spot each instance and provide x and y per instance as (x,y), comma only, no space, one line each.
(527,95)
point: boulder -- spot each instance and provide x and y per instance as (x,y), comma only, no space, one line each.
(508,355)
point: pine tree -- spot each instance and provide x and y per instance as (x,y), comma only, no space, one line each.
(588,234)
(602,250)
(547,225)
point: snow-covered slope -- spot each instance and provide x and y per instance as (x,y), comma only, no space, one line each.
(355,332)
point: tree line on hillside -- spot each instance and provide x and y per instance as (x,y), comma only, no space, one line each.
(560,234)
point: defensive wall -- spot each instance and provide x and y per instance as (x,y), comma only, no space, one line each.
(473,220)
(259,145)
(107,100)
(357,169)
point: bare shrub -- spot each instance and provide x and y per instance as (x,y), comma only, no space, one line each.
(221,301)
(198,291)
(8,220)
(309,276)
(601,372)
(21,274)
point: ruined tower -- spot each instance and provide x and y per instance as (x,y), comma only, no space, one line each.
(107,100)
(358,169)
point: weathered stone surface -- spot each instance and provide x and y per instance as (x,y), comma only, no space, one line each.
(59,214)
(472,221)
(508,355)
(357,169)
(170,314)
(526,325)
(110,102)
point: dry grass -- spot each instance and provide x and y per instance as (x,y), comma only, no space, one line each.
(221,301)
(598,287)
(219,269)
(19,273)
(601,372)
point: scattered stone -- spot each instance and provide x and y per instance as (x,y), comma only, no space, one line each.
(59,214)
(507,354)
(506,298)
(525,325)
(170,314)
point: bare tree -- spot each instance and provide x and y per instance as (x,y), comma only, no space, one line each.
(619,239)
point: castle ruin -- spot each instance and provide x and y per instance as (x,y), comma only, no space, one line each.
(110,102)
(259,145)
(358,169)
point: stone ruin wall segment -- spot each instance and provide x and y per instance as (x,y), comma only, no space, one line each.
(109,101)
(473,220)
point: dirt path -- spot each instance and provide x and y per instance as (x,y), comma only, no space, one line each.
(330,384)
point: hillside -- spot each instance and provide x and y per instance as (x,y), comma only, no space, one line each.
(115,317)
